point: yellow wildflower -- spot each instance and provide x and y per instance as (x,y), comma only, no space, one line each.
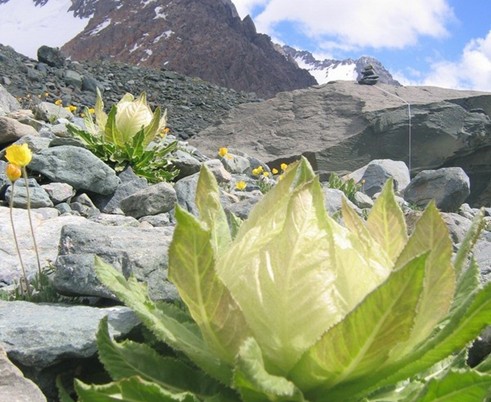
(257,171)
(19,155)
(266,174)
(240,185)
(91,110)
(283,166)
(13,172)
(58,102)
(274,171)
(223,151)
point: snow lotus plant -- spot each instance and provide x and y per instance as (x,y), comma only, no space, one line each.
(124,137)
(292,306)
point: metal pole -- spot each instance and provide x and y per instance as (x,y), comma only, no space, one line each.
(409,122)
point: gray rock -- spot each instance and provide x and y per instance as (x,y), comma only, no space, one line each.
(159,220)
(51,56)
(186,193)
(90,84)
(73,78)
(333,201)
(344,126)
(114,220)
(243,208)
(75,166)
(38,196)
(362,200)
(156,199)
(50,112)
(378,171)
(59,192)
(458,226)
(7,102)
(130,184)
(32,337)
(47,227)
(186,163)
(84,205)
(482,254)
(216,167)
(141,252)
(36,143)
(11,130)
(14,386)
(449,187)
(236,164)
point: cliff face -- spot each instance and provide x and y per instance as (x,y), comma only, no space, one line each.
(202,38)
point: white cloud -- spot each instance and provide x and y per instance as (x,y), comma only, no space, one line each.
(245,7)
(355,23)
(471,71)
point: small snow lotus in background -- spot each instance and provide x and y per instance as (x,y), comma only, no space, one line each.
(131,134)
(293,306)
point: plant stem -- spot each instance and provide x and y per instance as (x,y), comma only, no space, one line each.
(24,172)
(24,276)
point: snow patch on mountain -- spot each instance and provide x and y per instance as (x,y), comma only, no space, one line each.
(100,27)
(333,72)
(26,27)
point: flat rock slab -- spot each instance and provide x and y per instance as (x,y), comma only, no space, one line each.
(41,335)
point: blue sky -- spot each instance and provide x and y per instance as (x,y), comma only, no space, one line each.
(445,43)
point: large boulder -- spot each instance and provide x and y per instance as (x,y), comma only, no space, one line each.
(342,126)
(75,166)
(448,187)
(137,251)
(47,228)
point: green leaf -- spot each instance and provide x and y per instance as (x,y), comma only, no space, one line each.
(485,365)
(133,389)
(430,235)
(285,286)
(151,130)
(111,132)
(275,203)
(192,270)
(100,115)
(128,359)
(458,386)
(253,381)
(386,222)
(63,395)
(462,326)
(468,243)
(165,327)
(362,342)
(211,211)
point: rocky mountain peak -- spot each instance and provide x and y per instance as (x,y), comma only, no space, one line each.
(201,38)
(331,70)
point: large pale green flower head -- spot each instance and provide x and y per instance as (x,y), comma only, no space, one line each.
(134,115)
(126,120)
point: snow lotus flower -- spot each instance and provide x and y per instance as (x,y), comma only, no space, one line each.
(291,306)
(127,119)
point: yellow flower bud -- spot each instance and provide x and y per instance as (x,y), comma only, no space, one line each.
(266,174)
(274,171)
(19,155)
(13,172)
(58,102)
(257,171)
(283,166)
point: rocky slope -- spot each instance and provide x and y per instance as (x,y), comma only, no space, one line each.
(192,103)
(342,126)
(201,38)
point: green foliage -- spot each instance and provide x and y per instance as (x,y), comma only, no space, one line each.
(124,138)
(293,306)
(348,187)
